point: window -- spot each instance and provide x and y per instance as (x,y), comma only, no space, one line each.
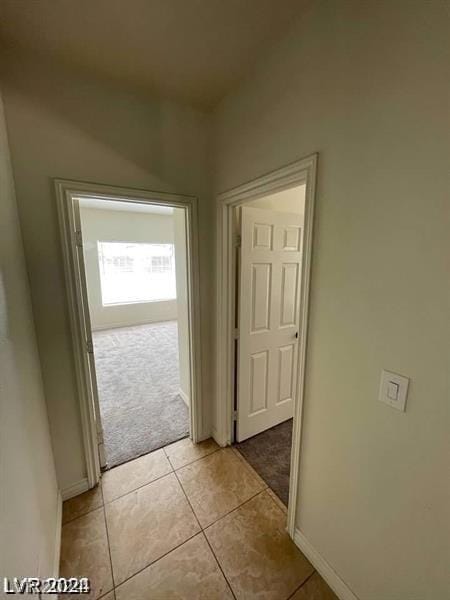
(136,272)
(160,264)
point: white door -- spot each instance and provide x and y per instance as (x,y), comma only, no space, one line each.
(84,316)
(269,296)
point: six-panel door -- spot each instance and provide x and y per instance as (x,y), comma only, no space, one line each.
(269,297)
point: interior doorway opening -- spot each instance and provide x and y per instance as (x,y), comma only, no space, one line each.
(146,268)
(267,270)
(246,375)
(135,267)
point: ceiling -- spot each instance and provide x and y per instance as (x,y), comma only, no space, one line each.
(196,51)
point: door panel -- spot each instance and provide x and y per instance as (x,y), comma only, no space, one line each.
(261,283)
(288,293)
(268,318)
(285,373)
(262,236)
(291,239)
(258,382)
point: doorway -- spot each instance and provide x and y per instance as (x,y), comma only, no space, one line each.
(131,270)
(264,253)
(135,265)
(268,281)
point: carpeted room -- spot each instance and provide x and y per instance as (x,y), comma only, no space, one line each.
(134,257)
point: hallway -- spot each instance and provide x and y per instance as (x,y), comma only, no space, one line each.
(187,521)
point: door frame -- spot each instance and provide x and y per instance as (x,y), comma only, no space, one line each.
(300,172)
(66,192)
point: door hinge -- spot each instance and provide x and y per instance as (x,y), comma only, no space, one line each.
(89,347)
(237,240)
(78,239)
(235,415)
(100,438)
(236,334)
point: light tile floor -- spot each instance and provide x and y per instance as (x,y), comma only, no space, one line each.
(185,522)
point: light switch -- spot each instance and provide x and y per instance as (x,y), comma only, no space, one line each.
(393,389)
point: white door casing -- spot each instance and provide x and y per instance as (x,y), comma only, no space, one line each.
(269,297)
(86,326)
(67,194)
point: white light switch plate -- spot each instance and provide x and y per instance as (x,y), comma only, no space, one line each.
(393,389)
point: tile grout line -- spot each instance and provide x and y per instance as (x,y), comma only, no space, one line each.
(219,565)
(88,511)
(195,459)
(82,515)
(264,489)
(109,545)
(271,492)
(113,592)
(202,529)
(153,562)
(225,514)
(186,540)
(168,458)
(169,551)
(233,509)
(249,467)
(302,584)
(166,553)
(104,503)
(276,503)
(240,506)
(188,501)
(314,571)
(139,487)
(206,539)
(173,470)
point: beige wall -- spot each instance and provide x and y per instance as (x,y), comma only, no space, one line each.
(69,125)
(29,503)
(291,200)
(365,84)
(122,226)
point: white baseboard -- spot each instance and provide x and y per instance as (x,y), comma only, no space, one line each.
(184,397)
(338,586)
(52,569)
(132,323)
(218,438)
(74,490)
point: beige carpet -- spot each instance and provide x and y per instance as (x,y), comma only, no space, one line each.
(138,383)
